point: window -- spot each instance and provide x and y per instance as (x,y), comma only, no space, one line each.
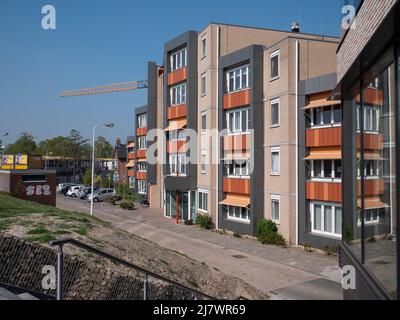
(275,65)
(142,186)
(275,209)
(203,122)
(326,218)
(237,121)
(203,84)
(142,121)
(275,105)
(371,216)
(371,119)
(33,178)
(178,60)
(237,79)
(203,201)
(275,161)
(142,142)
(142,166)
(178,94)
(177,135)
(237,169)
(203,46)
(326,169)
(203,163)
(238,214)
(326,116)
(178,164)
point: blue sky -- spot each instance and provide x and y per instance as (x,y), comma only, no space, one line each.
(101,42)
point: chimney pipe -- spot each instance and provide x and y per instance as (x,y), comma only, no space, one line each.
(295,27)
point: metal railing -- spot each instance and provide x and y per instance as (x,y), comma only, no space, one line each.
(196,295)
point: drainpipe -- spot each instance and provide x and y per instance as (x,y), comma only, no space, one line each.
(297,141)
(217,138)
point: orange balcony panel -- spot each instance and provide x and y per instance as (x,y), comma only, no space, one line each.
(236,186)
(131,155)
(371,141)
(131,173)
(237,99)
(324,191)
(142,153)
(141,132)
(324,137)
(373,187)
(141,175)
(177,147)
(237,142)
(177,76)
(177,112)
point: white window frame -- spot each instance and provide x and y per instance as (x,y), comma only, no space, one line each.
(178,94)
(323,205)
(203,84)
(238,113)
(142,166)
(203,130)
(320,125)
(202,200)
(238,172)
(142,186)
(276,198)
(203,44)
(176,64)
(323,178)
(273,55)
(230,214)
(276,101)
(142,143)
(372,222)
(142,120)
(203,158)
(178,164)
(278,151)
(237,73)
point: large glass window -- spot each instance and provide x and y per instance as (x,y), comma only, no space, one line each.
(326,116)
(326,169)
(238,213)
(178,59)
(237,121)
(142,121)
(178,164)
(203,201)
(142,186)
(326,218)
(237,79)
(237,169)
(178,94)
(142,142)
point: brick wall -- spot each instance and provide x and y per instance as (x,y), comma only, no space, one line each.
(367,21)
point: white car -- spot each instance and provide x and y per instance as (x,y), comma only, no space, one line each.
(62,185)
(74,191)
(102,194)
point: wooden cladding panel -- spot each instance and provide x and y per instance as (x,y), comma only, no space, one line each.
(141,132)
(324,137)
(177,76)
(237,99)
(141,175)
(371,141)
(324,191)
(177,146)
(131,155)
(142,153)
(177,112)
(373,187)
(131,173)
(236,186)
(237,142)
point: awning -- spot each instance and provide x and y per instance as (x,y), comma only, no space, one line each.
(322,103)
(236,201)
(372,203)
(325,154)
(371,155)
(131,145)
(176,125)
(130,164)
(236,156)
(141,160)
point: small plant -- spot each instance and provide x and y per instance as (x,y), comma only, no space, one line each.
(331,250)
(267,233)
(308,247)
(237,235)
(126,205)
(188,222)
(204,222)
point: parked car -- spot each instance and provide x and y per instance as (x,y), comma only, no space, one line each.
(102,194)
(61,186)
(83,194)
(74,191)
(64,190)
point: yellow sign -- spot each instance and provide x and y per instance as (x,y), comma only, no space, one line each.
(21,159)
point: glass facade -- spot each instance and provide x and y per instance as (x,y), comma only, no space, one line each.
(370,199)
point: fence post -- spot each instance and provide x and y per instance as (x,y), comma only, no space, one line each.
(145,286)
(60,262)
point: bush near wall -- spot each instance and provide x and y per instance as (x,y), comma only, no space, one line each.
(267,233)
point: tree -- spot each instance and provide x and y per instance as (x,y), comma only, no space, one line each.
(77,148)
(57,146)
(87,179)
(103,148)
(25,144)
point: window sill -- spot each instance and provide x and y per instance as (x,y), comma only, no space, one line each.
(236,91)
(273,79)
(238,220)
(272,126)
(238,177)
(326,180)
(326,235)
(238,134)
(275,174)
(202,211)
(324,126)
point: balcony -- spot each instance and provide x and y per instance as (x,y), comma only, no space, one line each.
(236,142)
(371,141)
(177,76)
(131,173)
(176,112)
(141,132)
(324,137)
(177,146)
(237,99)
(142,153)
(131,156)
(236,186)
(324,191)
(373,187)
(141,175)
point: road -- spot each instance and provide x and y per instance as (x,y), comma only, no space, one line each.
(267,268)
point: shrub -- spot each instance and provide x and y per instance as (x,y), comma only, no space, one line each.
(237,235)
(110,201)
(204,222)
(267,233)
(127,205)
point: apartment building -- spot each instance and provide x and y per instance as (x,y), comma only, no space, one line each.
(120,162)
(367,69)
(131,165)
(141,150)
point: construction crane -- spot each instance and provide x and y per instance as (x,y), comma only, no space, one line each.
(117,87)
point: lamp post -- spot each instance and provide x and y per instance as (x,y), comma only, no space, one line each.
(108,125)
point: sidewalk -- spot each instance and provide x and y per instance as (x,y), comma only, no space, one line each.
(267,268)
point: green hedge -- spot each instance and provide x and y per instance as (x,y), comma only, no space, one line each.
(267,233)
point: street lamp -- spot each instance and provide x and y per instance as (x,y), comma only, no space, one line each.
(108,125)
